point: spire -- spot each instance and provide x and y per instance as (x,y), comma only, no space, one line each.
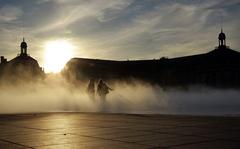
(222,39)
(23,47)
(221,36)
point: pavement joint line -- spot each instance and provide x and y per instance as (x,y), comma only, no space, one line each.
(198,142)
(159,132)
(15,143)
(182,144)
(63,143)
(227,140)
(170,146)
(152,131)
(94,141)
(180,134)
(199,136)
(111,139)
(209,127)
(19,126)
(161,147)
(214,139)
(94,126)
(106,134)
(53,144)
(116,121)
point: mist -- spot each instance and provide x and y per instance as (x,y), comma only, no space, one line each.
(55,94)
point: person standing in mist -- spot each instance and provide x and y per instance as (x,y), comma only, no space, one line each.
(91,89)
(103,90)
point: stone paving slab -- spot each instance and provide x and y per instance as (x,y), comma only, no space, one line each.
(130,131)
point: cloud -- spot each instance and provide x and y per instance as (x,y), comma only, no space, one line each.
(146,33)
(10,13)
(170,29)
(82,10)
(222,4)
(120,29)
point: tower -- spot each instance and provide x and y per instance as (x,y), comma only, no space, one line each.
(23,47)
(221,39)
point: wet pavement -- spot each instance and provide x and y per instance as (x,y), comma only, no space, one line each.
(110,131)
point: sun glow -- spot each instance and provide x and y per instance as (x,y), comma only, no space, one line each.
(57,53)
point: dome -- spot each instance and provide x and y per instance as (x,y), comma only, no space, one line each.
(26,61)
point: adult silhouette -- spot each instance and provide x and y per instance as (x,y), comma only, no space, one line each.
(103,90)
(91,89)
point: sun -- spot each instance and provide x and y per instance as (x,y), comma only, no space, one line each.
(57,54)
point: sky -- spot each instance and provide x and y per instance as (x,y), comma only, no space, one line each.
(119,29)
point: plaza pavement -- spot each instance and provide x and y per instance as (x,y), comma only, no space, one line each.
(117,131)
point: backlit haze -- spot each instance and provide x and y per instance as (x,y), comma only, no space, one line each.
(57,54)
(57,30)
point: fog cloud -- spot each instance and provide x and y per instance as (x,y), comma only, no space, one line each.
(56,95)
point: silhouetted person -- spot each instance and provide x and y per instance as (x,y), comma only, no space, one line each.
(103,90)
(91,89)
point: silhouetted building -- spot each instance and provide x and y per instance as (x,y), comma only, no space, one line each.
(218,68)
(21,68)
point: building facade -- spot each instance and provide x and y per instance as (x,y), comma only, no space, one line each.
(21,68)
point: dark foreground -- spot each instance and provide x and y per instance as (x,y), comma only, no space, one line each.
(82,130)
